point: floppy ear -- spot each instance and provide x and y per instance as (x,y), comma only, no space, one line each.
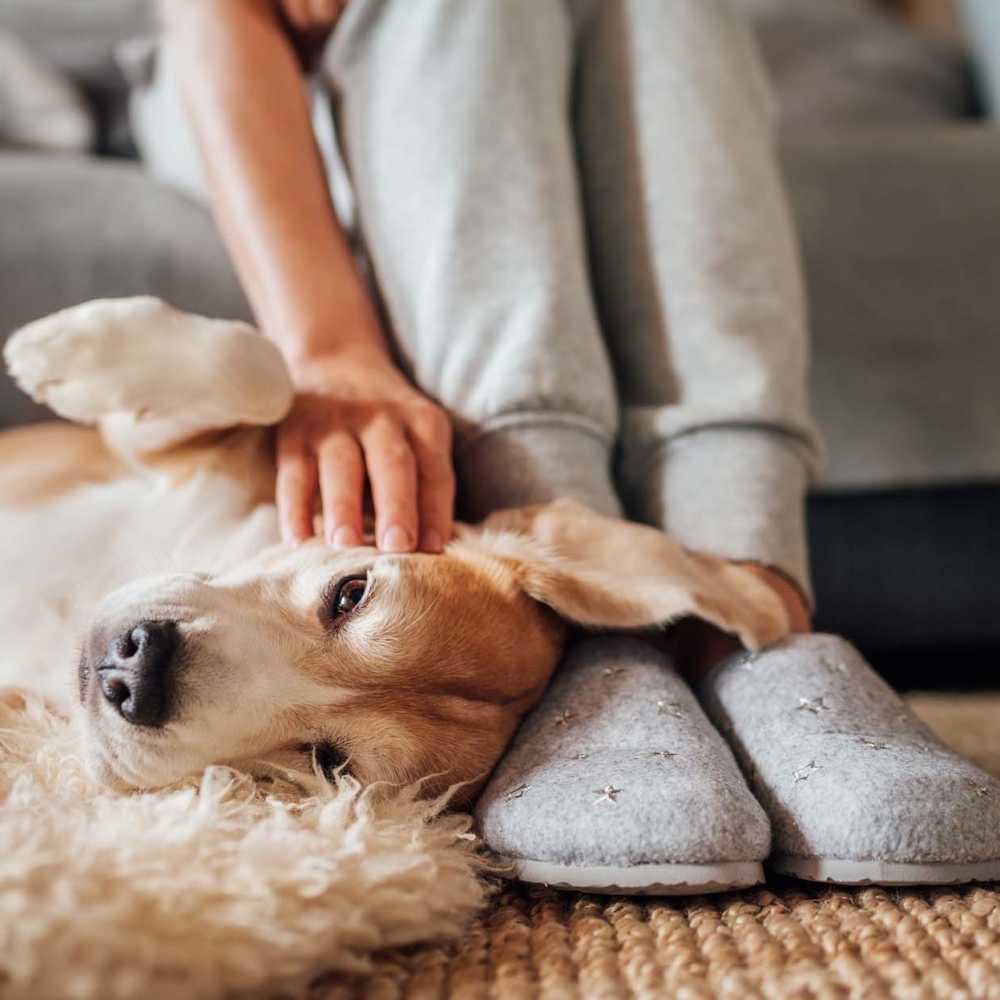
(608,573)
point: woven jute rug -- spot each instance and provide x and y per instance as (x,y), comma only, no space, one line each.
(788,940)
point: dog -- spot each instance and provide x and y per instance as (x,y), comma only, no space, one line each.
(143,559)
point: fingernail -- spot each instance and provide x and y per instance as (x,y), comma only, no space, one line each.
(396,539)
(345,537)
(432,542)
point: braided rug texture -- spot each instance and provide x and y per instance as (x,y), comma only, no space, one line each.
(786,940)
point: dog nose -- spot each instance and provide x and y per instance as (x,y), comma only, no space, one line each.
(136,674)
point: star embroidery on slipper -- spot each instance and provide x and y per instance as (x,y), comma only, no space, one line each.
(803,772)
(839,666)
(514,793)
(873,744)
(564,717)
(612,672)
(980,791)
(607,794)
(813,705)
(671,708)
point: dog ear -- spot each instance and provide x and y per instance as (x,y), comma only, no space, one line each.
(609,573)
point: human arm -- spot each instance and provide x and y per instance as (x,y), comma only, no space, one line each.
(355,412)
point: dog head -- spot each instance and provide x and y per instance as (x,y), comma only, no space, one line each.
(394,667)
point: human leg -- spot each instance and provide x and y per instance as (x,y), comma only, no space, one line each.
(857,787)
(699,289)
(697,277)
(452,121)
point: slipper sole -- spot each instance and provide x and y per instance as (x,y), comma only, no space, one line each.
(642,880)
(845,872)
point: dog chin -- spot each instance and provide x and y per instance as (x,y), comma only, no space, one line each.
(119,774)
(102,772)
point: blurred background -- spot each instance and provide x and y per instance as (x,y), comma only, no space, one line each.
(889,124)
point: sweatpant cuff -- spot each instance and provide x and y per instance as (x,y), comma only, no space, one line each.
(520,461)
(738,493)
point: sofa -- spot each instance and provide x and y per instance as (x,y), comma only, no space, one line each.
(893,172)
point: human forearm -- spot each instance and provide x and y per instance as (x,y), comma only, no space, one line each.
(356,418)
(243,88)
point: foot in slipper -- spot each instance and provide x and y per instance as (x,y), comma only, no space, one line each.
(857,788)
(618,783)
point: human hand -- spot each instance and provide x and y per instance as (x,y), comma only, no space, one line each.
(355,415)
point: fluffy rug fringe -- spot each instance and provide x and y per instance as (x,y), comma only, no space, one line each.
(212,887)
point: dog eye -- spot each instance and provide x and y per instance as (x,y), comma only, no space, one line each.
(329,758)
(347,596)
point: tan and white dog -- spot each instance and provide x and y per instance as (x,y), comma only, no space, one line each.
(146,587)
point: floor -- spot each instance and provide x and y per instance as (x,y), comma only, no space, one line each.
(787,940)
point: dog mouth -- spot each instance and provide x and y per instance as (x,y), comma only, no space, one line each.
(106,769)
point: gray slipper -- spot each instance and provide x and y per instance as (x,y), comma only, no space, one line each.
(858,789)
(617,782)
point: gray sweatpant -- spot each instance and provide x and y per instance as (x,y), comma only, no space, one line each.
(577,229)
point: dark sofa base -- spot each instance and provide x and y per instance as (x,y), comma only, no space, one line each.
(910,574)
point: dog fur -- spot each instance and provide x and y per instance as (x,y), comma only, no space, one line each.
(220,884)
(164,511)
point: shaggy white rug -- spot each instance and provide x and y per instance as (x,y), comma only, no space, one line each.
(213,887)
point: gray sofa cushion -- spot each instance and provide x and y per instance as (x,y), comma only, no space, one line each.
(901,243)
(39,106)
(76,229)
(832,61)
(80,37)
(838,62)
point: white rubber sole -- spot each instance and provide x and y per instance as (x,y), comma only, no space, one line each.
(883,872)
(642,880)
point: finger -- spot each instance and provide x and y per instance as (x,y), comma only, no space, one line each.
(298,13)
(341,486)
(430,434)
(392,472)
(295,489)
(325,12)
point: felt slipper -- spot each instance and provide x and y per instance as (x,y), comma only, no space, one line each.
(617,782)
(857,788)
